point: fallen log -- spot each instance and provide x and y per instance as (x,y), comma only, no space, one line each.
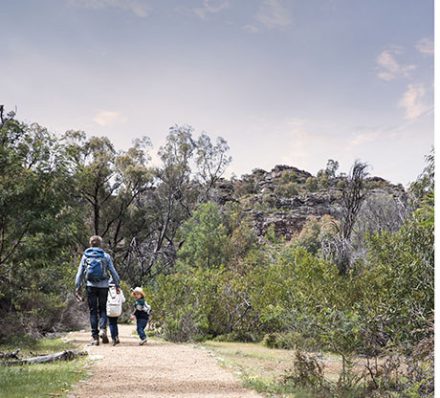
(10,355)
(67,355)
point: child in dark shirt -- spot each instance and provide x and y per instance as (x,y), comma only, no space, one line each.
(141,313)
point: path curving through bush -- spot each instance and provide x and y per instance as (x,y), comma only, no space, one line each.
(156,370)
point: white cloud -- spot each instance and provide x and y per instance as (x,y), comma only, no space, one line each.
(364,138)
(250,28)
(108,118)
(273,15)
(210,7)
(388,66)
(140,8)
(413,103)
(425,46)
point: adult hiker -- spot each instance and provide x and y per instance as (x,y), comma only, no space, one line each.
(94,269)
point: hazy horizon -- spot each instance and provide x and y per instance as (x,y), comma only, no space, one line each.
(284,82)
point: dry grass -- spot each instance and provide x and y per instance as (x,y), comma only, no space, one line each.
(45,380)
(257,359)
(262,368)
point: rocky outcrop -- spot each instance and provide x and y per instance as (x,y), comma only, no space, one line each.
(285,197)
(287,215)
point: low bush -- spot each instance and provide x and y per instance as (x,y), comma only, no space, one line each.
(243,336)
(290,341)
(312,184)
(287,190)
(308,373)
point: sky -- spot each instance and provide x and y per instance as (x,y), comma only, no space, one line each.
(292,82)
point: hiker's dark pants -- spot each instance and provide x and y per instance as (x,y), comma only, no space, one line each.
(97,299)
(113,325)
(141,324)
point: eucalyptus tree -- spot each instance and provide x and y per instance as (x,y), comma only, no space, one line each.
(107,183)
(354,193)
(212,159)
(36,226)
(92,164)
(189,171)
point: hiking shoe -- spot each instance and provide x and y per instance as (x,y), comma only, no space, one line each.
(115,341)
(103,335)
(94,341)
(142,342)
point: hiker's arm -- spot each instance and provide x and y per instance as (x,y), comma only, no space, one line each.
(79,279)
(113,272)
(79,275)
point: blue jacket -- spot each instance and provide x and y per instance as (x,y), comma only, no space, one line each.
(80,275)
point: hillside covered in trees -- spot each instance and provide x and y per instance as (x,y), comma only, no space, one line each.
(333,262)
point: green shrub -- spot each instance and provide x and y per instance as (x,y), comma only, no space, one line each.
(206,243)
(268,201)
(315,231)
(249,187)
(290,341)
(287,190)
(312,184)
(308,373)
(341,184)
(289,176)
(240,335)
(323,179)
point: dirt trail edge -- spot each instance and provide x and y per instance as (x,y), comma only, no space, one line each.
(158,369)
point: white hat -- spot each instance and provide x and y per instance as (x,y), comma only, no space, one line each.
(138,290)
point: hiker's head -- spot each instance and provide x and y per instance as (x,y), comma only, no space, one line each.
(95,241)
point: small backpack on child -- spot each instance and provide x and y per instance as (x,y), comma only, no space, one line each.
(143,307)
